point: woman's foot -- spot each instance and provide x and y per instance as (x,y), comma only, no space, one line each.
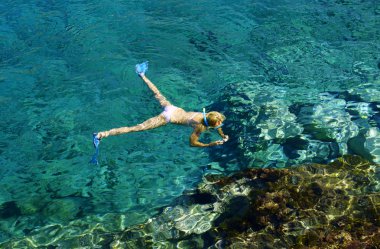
(101,135)
(98,136)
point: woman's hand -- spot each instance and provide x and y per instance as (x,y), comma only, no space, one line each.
(219,142)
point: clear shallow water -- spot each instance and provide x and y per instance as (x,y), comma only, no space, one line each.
(67,70)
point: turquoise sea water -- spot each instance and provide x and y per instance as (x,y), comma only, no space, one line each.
(67,70)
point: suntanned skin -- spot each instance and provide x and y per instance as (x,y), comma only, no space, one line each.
(179,116)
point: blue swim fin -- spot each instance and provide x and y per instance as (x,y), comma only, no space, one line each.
(142,68)
(96,142)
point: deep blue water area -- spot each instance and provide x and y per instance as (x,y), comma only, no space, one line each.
(67,70)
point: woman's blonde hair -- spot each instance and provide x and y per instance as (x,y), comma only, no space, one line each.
(214,117)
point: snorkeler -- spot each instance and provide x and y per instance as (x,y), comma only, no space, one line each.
(172,114)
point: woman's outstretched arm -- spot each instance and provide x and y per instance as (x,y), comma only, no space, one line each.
(194,139)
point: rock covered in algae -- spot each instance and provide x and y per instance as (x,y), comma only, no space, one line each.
(324,206)
(308,206)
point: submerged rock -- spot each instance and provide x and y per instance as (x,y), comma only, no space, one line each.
(328,121)
(308,206)
(271,129)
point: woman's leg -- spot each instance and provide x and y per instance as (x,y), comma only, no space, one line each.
(163,101)
(151,123)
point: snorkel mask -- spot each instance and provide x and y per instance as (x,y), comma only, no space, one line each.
(206,123)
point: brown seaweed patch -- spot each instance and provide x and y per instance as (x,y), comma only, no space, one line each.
(321,206)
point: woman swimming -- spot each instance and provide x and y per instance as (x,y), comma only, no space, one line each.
(172,114)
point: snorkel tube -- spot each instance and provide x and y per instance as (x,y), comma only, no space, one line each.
(204,117)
